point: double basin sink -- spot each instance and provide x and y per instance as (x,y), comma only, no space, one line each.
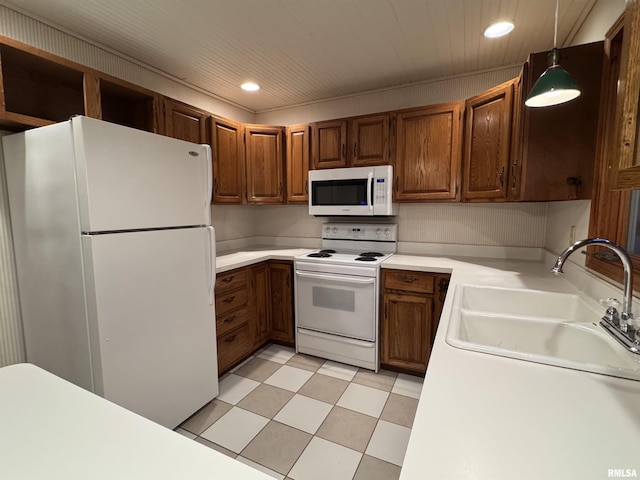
(557,329)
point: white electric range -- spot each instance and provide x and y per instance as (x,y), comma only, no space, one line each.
(337,293)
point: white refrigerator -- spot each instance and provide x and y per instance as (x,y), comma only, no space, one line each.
(116,262)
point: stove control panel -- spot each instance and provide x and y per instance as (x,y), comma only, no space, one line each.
(350,231)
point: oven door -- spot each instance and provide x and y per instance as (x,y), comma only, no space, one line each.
(338,304)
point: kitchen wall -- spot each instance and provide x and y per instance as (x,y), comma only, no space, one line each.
(11,338)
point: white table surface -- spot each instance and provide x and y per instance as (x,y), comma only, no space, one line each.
(51,429)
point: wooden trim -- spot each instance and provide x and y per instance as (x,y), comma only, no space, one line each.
(609,217)
(92,100)
(627,174)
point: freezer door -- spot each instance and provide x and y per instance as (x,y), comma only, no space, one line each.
(152,321)
(129,179)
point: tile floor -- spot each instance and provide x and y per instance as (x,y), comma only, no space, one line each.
(286,414)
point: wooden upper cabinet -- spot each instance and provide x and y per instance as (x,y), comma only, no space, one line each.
(426,145)
(264,163)
(297,164)
(227,152)
(38,90)
(627,168)
(487,143)
(369,140)
(329,144)
(558,143)
(185,122)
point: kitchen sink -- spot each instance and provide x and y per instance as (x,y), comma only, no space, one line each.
(557,329)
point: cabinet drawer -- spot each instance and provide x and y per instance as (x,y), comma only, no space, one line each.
(233,346)
(409,281)
(231,280)
(230,301)
(226,323)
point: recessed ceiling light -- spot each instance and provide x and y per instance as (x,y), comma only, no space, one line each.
(498,29)
(250,86)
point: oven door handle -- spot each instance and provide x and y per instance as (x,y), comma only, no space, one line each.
(369,196)
(339,278)
(348,341)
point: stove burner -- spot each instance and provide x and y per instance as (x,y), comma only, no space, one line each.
(327,250)
(366,259)
(319,255)
(372,254)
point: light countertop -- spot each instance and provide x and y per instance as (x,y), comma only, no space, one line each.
(230,259)
(51,429)
(487,417)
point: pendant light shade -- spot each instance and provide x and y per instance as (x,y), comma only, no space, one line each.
(555,85)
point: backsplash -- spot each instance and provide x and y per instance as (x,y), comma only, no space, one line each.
(498,224)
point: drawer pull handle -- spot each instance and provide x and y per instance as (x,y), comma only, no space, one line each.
(229,299)
(227,279)
(408,279)
(230,339)
(229,320)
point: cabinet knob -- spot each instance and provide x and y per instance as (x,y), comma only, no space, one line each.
(230,339)
(229,299)
(227,279)
(229,320)
(408,279)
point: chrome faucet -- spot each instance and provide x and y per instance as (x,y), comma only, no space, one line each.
(622,327)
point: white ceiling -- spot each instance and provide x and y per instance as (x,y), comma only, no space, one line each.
(302,51)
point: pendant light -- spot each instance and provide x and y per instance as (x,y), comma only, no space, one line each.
(555,85)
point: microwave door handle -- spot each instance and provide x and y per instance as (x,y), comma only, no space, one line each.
(369,185)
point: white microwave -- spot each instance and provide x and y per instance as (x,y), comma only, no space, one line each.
(358,191)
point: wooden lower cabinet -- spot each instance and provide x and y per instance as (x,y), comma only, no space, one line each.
(260,303)
(232,318)
(411,307)
(254,305)
(281,288)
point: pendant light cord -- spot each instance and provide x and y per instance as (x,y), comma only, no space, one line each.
(555,32)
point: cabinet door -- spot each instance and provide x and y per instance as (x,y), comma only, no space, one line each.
(298,145)
(427,153)
(281,288)
(369,140)
(264,163)
(260,311)
(406,331)
(329,144)
(185,122)
(627,166)
(487,143)
(227,152)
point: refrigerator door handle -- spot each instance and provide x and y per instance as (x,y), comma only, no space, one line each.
(212,263)
(209,182)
